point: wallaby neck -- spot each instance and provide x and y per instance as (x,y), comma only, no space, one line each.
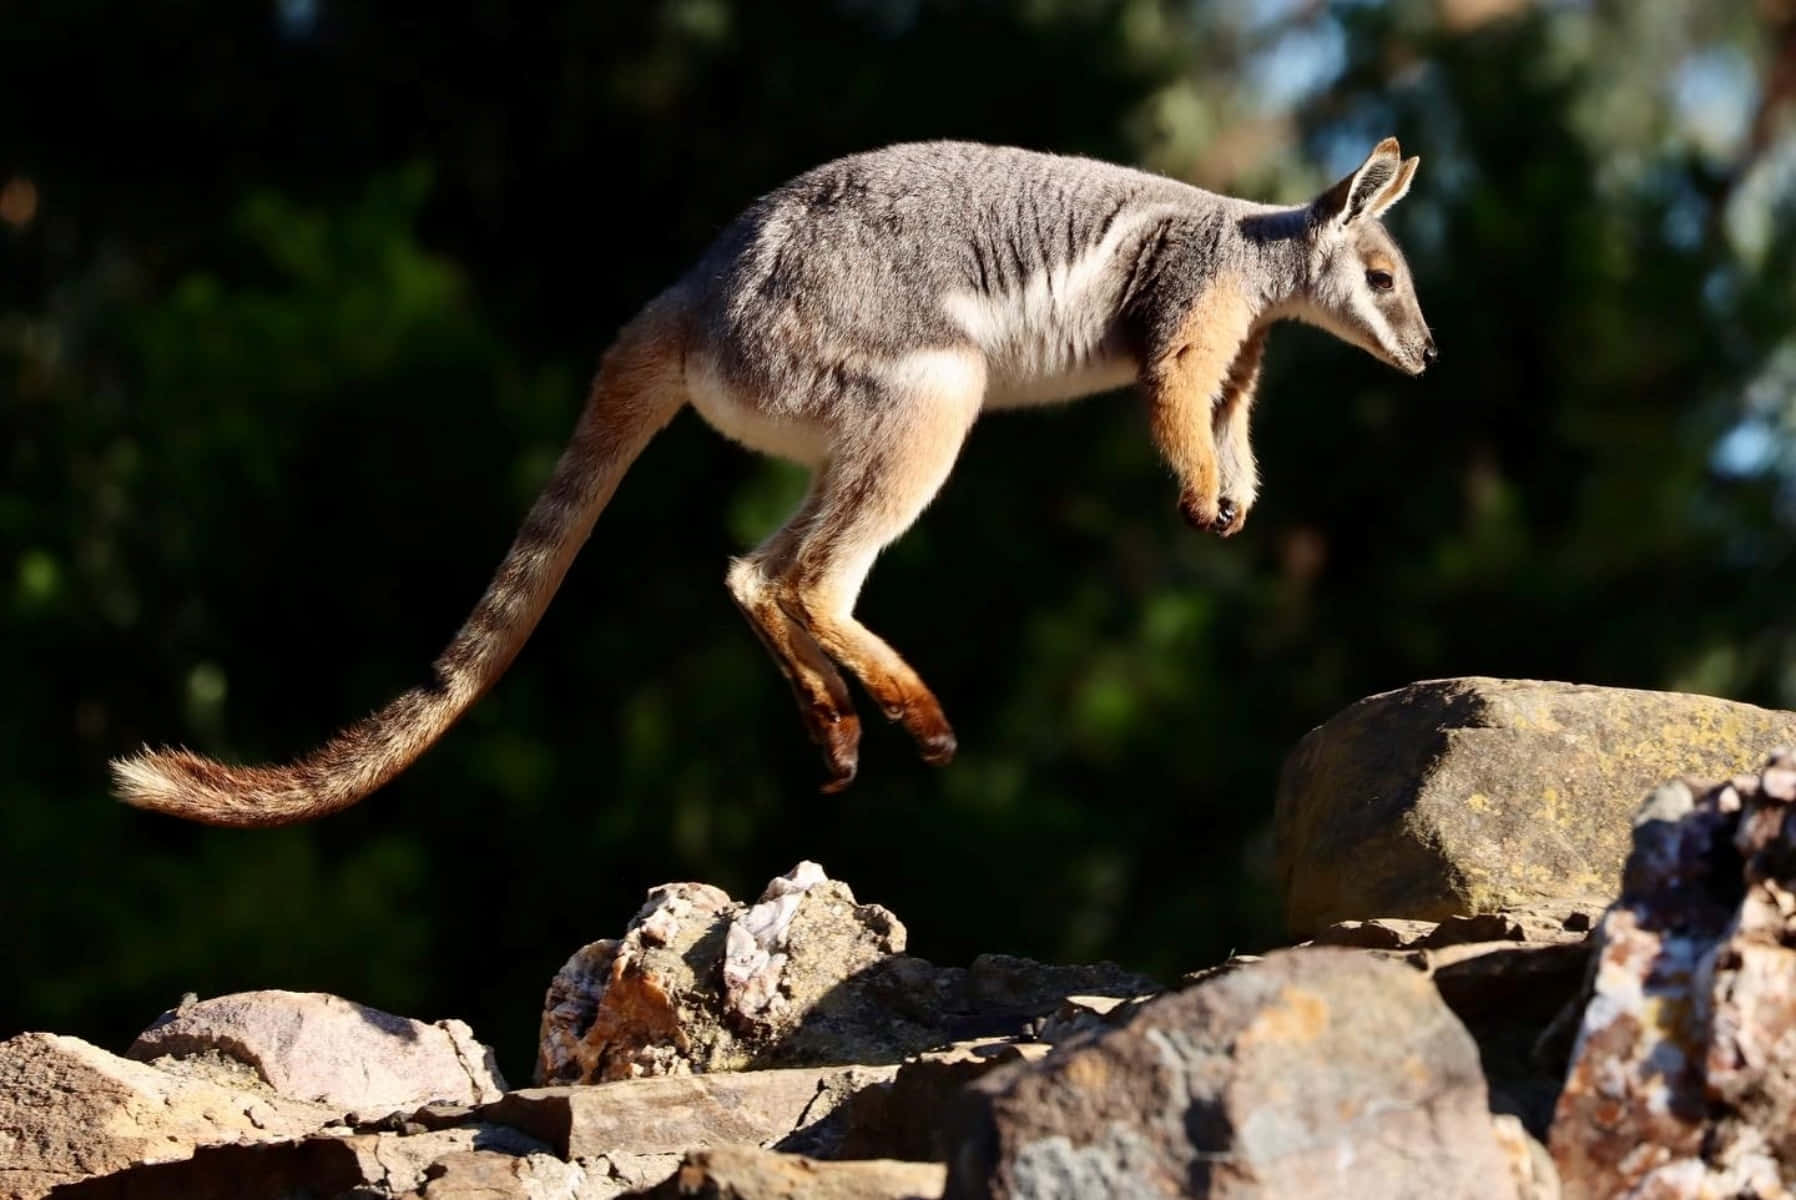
(1278,240)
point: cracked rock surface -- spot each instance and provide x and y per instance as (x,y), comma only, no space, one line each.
(328,1050)
(69,1111)
(1313,1072)
(1683,1075)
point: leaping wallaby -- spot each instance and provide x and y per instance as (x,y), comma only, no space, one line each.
(857,321)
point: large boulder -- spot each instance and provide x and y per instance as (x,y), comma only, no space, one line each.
(804,976)
(323,1048)
(1466,795)
(1683,1075)
(1310,1073)
(70,1111)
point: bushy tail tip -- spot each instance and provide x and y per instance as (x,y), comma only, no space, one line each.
(183,784)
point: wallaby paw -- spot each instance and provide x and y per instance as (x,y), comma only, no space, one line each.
(1199,512)
(1230,516)
(840,741)
(929,729)
(1222,516)
(938,746)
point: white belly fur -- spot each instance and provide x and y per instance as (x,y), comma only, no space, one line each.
(743,422)
(1098,375)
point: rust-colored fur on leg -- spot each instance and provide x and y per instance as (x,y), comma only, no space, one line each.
(823,701)
(873,487)
(637,391)
(1184,381)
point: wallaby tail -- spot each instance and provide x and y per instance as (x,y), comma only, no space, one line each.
(637,391)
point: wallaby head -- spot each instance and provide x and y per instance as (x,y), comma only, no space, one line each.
(1357,285)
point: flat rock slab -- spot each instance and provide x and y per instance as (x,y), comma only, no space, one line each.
(493,1175)
(674,1113)
(1468,795)
(745,1173)
(1314,1072)
(70,1111)
(364,1166)
(322,1048)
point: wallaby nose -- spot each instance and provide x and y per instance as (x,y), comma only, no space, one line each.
(1429,354)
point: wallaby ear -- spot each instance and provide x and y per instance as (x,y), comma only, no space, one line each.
(1396,189)
(1354,196)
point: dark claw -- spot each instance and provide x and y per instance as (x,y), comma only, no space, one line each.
(938,748)
(1226,512)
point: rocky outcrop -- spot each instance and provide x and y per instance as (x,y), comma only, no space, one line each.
(70,1111)
(321,1048)
(804,976)
(823,977)
(790,1047)
(1466,795)
(1683,1076)
(1316,1072)
(700,983)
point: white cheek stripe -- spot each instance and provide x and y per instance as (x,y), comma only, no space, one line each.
(1373,318)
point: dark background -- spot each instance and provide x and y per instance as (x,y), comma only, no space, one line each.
(297,303)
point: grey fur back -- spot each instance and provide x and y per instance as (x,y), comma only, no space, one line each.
(934,245)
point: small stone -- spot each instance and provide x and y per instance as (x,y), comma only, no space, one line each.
(915,1115)
(490,1175)
(744,1173)
(1081,1014)
(1380,933)
(1545,922)
(672,1114)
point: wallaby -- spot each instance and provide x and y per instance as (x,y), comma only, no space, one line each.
(857,321)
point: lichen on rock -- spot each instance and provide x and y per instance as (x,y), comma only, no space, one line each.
(1683,1075)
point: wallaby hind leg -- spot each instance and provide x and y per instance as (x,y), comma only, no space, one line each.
(871,491)
(823,700)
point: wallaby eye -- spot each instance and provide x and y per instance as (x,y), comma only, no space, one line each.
(1380,280)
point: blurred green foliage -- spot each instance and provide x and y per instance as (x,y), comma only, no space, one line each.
(296,310)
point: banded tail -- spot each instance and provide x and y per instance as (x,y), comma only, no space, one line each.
(638,390)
